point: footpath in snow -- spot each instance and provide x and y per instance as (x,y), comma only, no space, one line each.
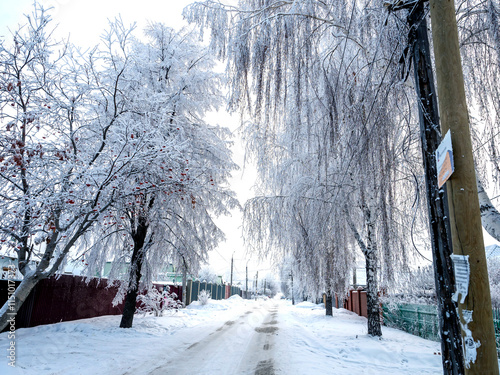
(234,336)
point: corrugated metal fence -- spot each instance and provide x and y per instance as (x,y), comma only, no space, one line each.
(69,297)
(64,298)
(355,301)
(217,291)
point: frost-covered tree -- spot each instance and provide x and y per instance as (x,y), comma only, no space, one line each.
(177,180)
(107,153)
(315,78)
(56,180)
(494,276)
(207,274)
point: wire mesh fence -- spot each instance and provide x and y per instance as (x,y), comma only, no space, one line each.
(423,321)
(419,320)
(496,323)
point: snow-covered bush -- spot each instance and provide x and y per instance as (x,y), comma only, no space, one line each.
(203,297)
(155,302)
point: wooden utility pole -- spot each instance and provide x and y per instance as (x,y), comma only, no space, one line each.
(232,272)
(467,238)
(256,284)
(184,280)
(437,199)
(246,281)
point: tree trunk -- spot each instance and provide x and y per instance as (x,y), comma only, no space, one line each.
(184,283)
(490,217)
(372,301)
(369,250)
(139,236)
(329,304)
(9,310)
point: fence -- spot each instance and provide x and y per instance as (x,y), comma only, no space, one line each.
(355,301)
(64,298)
(423,321)
(419,320)
(496,323)
(217,291)
(69,297)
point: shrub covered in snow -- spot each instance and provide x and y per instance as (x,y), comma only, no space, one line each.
(157,302)
(203,297)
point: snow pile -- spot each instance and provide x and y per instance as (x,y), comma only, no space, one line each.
(308,305)
(212,304)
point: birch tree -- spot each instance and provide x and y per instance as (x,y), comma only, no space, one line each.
(315,77)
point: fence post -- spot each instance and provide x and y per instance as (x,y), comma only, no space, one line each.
(419,325)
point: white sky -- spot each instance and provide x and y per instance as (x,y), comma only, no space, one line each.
(84,21)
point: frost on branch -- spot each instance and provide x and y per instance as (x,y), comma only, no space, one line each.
(204,296)
(157,302)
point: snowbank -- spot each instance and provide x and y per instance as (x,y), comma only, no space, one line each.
(309,305)
(212,304)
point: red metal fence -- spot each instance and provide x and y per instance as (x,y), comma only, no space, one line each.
(68,297)
(355,302)
(64,298)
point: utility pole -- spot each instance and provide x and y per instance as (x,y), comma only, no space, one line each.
(232,272)
(265,286)
(257,282)
(293,298)
(184,280)
(354,278)
(467,238)
(437,203)
(246,281)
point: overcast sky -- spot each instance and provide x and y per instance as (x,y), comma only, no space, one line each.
(84,21)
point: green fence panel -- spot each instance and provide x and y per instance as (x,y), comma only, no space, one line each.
(195,290)
(213,291)
(496,323)
(419,320)
(423,321)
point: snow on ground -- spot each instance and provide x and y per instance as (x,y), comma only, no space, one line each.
(317,344)
(234,336)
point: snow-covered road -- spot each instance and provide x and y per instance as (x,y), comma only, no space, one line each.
(242,345)
(230,337)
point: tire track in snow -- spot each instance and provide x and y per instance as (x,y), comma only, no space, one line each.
(243,346)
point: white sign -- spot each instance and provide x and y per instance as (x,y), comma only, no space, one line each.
(462,274)
(470,345)
(444,160)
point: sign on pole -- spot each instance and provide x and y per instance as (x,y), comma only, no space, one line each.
(444,160)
